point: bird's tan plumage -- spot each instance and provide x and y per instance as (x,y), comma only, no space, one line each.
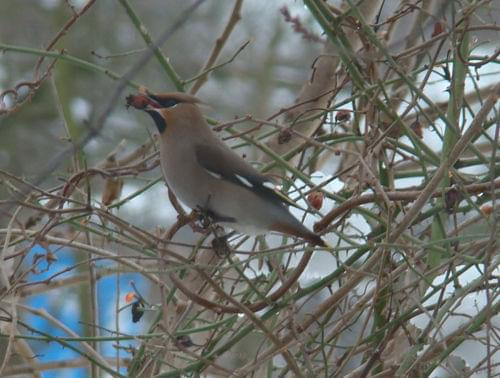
(205,173)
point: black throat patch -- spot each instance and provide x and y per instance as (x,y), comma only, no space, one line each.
(160,123)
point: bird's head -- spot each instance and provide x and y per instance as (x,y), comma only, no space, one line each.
(164,108)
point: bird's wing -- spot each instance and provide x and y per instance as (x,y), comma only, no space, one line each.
(223,164)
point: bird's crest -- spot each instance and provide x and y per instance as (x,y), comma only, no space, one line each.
(145,99)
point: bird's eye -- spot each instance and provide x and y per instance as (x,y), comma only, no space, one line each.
(164,102)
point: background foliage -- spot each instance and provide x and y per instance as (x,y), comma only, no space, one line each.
(379,117)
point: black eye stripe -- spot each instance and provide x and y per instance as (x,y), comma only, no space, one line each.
(164,102)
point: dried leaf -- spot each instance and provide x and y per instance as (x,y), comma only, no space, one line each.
(112,190)
(417,129)
(398,346)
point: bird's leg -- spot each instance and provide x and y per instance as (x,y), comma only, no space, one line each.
(208,219)
(207,225)
(205,220)
(219,243)
(205,217)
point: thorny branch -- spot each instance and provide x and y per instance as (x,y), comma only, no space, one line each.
(333,145)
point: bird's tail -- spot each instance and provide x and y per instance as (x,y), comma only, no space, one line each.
(300,231)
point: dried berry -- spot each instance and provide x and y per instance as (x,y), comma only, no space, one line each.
(137,101)
(315,199)
(486,209)
(284,136)
(343,115)
(129,297)
(451,199)
(184,341)
(438,28)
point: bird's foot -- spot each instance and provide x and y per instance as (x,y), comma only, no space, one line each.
(202,221)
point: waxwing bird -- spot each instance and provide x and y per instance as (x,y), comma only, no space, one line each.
(204,173)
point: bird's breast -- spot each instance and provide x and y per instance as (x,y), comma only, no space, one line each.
(182,175)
